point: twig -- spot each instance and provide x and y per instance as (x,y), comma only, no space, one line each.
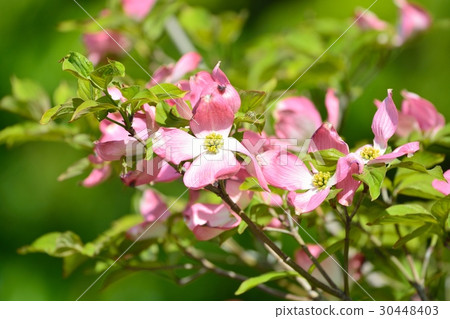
(277,251)
(231,274)
(426,259)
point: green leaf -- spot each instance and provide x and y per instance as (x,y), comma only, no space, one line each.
(408,219)
(167,91)
(168,116)
(86,91)
(60,110)
(415,166)
(417,185)
(405,209)
(62,93)
(75,169)
(72,262)
(55,244)
(441,210)
(373,177)
(250,100)
(256,281)
(31,131)
(78,65)
(91,106)
(416,233)
(251,117)
(29,99)
(103,75)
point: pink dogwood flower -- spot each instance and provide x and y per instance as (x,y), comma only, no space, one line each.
(384,125)
(210,148)
(209,220)
(100,173)
(116,142)
(298,118)
(100,44)
(326,138)
(137,9)
(443,186)
(413,19)
(155,212)
(287,171)
(369,21)
(172,73)
(215,84)
(418,114)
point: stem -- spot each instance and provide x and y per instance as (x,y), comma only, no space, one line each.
(258,233)
(347,218)
(426,259)
(348,222)
(416,282)
(301,242)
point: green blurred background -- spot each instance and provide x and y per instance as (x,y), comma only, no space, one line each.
(32,202)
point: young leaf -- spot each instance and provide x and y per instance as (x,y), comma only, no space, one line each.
(416,233)
(441,210)
(103,75)
(75,169)
(408,219)
(60,110)
(167,91)
(168,116)
(55,244)
(78,65)
(405,209)
(91,106)
(373,177)
(256,281)
(250,100)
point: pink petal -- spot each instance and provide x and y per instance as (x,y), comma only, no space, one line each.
(255,143)
(406,125)
(111,151)
(406,149)
(309,201)
(167,173)
(225,88)
(97,176)
(332,105)
(208,220)
(146,230)
(296,118)
(370,21)
(208,168)
(241,198)
(423,111)
(187,63)
(385,122)
(116,94)
(326,138)
(137,9)
(271,199)
(154,170)
(443,186)
(286,171)
(413,18)
(253,167)
(175,145)
(212,115)
(152,207)
(348,166)
(100,44)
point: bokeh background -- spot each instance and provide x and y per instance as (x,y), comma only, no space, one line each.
(32,202)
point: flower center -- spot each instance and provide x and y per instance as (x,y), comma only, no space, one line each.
(320,179)
(213,143)
(369,153)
